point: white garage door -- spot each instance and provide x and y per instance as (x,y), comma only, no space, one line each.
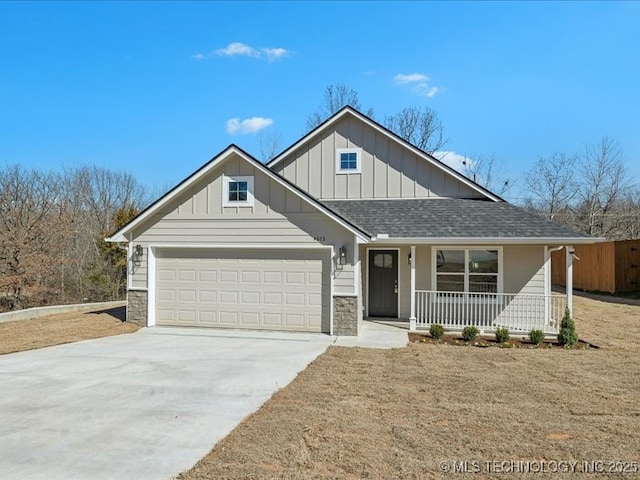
(266,289)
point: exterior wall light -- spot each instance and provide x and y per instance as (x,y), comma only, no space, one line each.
(138,251)
(342,255)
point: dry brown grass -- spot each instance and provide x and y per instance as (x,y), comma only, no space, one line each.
(361,413)
(62,328)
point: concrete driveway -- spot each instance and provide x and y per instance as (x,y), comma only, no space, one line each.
(141,406)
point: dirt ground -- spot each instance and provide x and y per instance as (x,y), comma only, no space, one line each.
(424,410)
(62,328)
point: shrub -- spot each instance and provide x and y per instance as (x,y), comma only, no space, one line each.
(567,335)
(536,336)
(436,331)
(469,333)
(502,335)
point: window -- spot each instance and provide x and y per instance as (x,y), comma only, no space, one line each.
(237,192)
(348,160)
(474,270)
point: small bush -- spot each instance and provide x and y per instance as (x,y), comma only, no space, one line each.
(567,336)
(436,331)
(502,335)
(536,336)
(469,333)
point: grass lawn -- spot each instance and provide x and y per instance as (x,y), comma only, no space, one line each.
(410,413)
(70,327)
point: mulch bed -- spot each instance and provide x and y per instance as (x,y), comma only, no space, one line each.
(489,341)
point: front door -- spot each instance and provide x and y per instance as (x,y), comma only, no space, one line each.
(383,283)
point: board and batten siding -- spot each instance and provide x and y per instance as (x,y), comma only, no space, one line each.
(278,217)
(388,169)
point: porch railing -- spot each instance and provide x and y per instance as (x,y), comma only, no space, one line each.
(518,312)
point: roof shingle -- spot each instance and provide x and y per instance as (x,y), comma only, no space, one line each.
(447,217)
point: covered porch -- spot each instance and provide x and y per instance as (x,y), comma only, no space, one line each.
(456,286)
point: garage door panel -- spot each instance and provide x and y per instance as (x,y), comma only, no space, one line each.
(208,275)
(272,298)
(251,319)
(228,276)
(228,318)
(207,296)
(229,296)
(187,275)
(251,276)
(275,292)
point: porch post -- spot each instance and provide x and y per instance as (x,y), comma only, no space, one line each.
(412,318)
(569,282)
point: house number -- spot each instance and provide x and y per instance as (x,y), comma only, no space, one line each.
(319,238)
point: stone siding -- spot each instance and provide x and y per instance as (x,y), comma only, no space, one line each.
(137,307)
(346,317)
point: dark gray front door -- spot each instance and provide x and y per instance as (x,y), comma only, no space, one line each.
(383,283)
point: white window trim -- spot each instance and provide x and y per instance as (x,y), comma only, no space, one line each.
(357,151)
(226,179)
(434,264)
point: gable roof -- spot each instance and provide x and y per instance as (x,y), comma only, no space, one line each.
(348,110)
(453,220)
(120,235)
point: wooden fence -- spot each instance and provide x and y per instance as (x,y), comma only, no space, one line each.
(605,267)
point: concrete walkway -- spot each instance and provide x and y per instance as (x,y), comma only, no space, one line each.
(142,406)
(376,335)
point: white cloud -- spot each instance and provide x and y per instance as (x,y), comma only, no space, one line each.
(402,79)
(418,82)
(458,162)
(274,53)
(235,126)
(238,49)
(426,91)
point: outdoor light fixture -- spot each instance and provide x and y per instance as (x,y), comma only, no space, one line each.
(138,251)
(409,259)
(342,255)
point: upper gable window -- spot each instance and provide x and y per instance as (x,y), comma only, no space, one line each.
(237,191)
(348,160)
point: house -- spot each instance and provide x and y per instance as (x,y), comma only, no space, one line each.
(349,222)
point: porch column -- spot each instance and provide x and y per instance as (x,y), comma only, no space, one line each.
(569,281)
(412,318)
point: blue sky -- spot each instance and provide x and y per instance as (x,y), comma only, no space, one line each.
(150,88)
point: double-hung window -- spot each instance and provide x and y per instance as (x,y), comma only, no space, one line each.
(237,191)
(469,270)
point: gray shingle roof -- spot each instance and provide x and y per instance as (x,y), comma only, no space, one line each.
(441,218)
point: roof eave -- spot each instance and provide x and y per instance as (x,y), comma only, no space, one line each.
(486,240)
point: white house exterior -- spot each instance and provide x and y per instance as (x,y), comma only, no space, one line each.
(349,222)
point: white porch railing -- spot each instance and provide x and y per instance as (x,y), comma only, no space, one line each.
(516,311)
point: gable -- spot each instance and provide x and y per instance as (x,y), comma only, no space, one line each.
(389,167)
(201,198)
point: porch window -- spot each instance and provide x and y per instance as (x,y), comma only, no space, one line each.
(467,270)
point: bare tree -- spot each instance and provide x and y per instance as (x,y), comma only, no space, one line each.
(34,225)
(604,182)
(335,97)
(269,145)
(419,126)
(552,184)
(488,172)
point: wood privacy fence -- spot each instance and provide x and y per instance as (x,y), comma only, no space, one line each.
(605,267)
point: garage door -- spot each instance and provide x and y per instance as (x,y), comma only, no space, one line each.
(268,289)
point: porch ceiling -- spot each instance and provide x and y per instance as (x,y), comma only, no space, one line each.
(451,218)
